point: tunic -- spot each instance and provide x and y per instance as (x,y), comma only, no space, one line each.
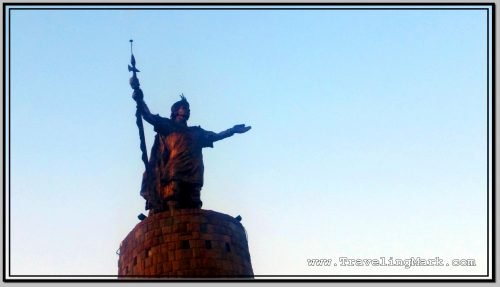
(175,156)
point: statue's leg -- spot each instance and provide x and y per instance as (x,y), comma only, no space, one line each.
(178,194)
(195,201)
(189,195)
(171,195)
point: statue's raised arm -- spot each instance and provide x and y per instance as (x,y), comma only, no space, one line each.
(138,97)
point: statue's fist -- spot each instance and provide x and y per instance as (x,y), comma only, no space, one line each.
(134,83)
(137,95)
(239,129)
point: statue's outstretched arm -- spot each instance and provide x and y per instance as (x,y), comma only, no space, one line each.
(237,129)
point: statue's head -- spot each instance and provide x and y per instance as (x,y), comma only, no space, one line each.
(180,111)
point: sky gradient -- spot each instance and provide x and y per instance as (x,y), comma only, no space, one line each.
(369,132)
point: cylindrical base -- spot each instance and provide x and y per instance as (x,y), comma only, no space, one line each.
(191,243)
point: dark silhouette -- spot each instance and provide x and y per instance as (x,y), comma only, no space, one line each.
(174,174)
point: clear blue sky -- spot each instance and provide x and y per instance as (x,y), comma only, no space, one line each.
(368,139)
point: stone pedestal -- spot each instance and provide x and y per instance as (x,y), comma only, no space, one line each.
(191,243)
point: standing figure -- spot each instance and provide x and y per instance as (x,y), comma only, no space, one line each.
(174,176)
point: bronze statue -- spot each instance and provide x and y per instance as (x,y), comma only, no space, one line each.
(174,174)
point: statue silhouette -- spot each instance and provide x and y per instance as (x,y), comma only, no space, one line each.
(174,174)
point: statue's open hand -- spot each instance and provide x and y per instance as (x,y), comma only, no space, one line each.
(239,129)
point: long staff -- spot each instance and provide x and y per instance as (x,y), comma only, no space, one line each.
(134,70)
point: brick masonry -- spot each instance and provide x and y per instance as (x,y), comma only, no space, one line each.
(193,243)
